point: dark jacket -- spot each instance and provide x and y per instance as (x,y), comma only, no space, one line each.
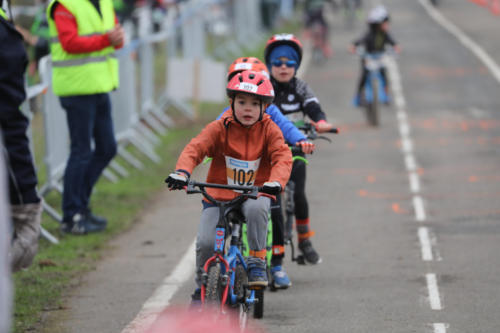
(295,99)
(375,40)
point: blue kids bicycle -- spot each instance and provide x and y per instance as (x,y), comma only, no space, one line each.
(225,278)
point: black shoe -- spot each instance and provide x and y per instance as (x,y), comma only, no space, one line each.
(97,220)
(310,254)
(80,224)
(196,298)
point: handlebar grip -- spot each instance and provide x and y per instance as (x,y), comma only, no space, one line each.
(334,130)
(295,149)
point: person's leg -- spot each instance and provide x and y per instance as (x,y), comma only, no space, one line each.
(279,276)
(362,78)
(105,145)
(20,167)
(256,213)
(385,81)
(26,207)
(304,232)
(80,112)
(278,232)
(359,98)
(298,176)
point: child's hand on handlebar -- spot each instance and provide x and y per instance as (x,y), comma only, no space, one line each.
(322,126)
(272,188)
(177,180)
(307,146)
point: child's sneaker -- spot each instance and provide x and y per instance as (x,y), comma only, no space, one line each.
(280,278)
(257,274)
(196,298)
(357,101)
(309,252)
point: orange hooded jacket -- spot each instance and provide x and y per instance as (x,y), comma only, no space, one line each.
(226,137)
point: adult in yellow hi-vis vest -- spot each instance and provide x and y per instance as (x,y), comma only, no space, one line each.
(83,37)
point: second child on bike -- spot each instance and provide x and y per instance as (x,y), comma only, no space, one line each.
(374,41)
(247,149)
(295,99)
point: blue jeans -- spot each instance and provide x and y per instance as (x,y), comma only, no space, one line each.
(89,118)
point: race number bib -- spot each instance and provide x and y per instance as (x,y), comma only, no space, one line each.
(240,172)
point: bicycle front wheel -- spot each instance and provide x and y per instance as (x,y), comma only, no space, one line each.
(372,107)
(213,289)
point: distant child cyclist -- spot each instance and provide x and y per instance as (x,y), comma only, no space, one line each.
(293,136)
(294,98)
(374,41)
(248,140)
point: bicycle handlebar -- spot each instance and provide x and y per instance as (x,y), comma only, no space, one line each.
(308,127)
(247,191)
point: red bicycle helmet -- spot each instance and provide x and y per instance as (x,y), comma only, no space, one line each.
(283,39)
(247,64)
(251,83)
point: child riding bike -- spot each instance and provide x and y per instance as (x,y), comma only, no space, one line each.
(294,98)
(247,148)
(294,137)
(374,41)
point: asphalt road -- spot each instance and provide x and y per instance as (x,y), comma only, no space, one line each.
(369,231)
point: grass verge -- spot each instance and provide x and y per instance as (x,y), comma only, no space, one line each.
(56,267)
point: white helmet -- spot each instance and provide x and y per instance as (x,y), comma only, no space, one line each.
(378,15)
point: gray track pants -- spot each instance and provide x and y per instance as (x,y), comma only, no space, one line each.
(256,214)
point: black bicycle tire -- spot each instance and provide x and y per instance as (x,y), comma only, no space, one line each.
(258,309)
(240,281)
(213,290)
(371,107)
(375,113)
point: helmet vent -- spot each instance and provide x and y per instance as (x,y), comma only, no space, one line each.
(240,77)
(251,76)
(260,82)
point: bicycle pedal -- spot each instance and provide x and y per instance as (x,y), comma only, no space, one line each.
(257,287)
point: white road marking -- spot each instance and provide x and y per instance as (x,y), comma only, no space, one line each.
(404,129)
(478,113)
(418,205)
(433,290)
(407,145)
(410,163)
(463,38)
(162,295)
(425,244)
(440,327)
(414,183)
